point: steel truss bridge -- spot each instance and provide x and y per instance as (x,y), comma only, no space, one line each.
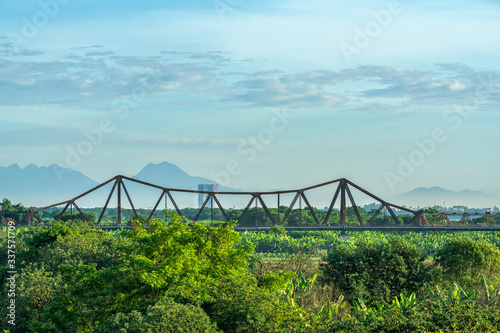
(342,194)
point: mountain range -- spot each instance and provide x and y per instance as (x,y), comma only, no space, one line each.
(170,175)
(41,186)
(430,196)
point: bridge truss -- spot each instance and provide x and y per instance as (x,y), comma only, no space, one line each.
(343,195)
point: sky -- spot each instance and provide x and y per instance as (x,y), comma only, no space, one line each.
(256,95)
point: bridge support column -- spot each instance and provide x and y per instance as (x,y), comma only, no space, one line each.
(343,210)
(29,216)
(420,219)
(119,203)
(278,218)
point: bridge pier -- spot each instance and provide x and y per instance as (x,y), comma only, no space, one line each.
(343,208)
(119,203)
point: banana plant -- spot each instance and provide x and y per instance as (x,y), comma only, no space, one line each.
(305,284)
(438,293)
(462,294)
(376,309)
(287,294)
(332,309)
(456,293)
(492,293)
(404,304)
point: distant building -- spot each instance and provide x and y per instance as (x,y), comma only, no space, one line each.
(203,196)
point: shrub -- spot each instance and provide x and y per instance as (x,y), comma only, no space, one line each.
(464,260)
(277,230)
(164,316)
(376,270)
(243,306)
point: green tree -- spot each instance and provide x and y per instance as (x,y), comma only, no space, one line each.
(465,260)
(256,216)
(155,260)
(376,270)
(277,230)
(35,290)
(7,207)
(240,305)
(352,218)
(165,316)
(300,217)
(40,252)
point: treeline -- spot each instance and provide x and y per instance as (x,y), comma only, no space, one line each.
(12,211)
(253,217)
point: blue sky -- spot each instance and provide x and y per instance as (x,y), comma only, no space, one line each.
(257,94)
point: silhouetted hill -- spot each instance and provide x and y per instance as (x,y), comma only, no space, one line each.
(38,186)
(430,196)
(171,176)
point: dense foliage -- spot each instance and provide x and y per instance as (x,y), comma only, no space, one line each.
(465,260)
(376,271)
(179,277)
(254,216)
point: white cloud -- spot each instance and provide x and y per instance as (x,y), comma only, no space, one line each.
(87,81)
(194,77)
(295,91)
(457,86)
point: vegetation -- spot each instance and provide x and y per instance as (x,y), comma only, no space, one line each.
(465,260)
(11,211)
(376,271)
(253,217)
(180,277)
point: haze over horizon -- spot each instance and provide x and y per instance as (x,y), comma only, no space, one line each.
(255,94)
(24,185)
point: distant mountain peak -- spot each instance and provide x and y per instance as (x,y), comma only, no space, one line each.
(159,171)
(14,166)
(170,175)
(435,195)
(472,192)
(161,164)
(40,185)
(428,189)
